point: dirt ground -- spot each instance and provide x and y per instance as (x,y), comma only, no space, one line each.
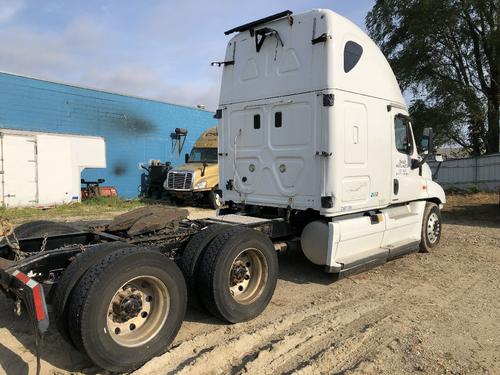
(435,313)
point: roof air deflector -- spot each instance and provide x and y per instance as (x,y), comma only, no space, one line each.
(250,25)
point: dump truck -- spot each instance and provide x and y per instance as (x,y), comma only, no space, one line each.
(198,177)
(316,151)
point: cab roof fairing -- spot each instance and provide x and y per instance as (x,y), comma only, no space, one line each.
(316,70)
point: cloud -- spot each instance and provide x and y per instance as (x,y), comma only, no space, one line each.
(50,54)
(155,49)
(143,81)
(9,9)
(87,53)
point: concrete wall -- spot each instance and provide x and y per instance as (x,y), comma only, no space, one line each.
(482,172)
(136,130)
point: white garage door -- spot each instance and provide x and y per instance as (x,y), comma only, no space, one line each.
(19,170)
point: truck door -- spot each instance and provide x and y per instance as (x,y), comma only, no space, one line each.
(271,149)
(406,182)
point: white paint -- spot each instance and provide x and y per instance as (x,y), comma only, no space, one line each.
(44,169)
(345,151)
(354,238)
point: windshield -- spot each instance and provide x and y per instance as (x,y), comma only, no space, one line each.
(201,154)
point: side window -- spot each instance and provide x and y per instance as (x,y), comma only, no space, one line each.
(352,55)
(402,134)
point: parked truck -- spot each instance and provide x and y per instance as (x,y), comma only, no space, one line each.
(198,177)
(315,148)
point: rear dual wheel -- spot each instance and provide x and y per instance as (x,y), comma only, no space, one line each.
(192,257)
(238,274)
(127,308)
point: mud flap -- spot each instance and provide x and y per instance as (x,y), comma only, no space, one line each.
(31,293)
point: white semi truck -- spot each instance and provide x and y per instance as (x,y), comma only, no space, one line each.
(315,147)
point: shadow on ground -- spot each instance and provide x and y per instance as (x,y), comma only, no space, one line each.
(473,215)
(294,267)
(11,362)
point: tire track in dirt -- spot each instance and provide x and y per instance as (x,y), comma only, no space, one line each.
(296,339)
(322,336)
(247,346)
(231,337)
(364,337)
(289,333)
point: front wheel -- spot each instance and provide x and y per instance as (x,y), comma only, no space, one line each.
(127,308)
(214,198)
(431,227)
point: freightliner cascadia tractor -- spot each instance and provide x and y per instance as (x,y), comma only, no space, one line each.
(315,148)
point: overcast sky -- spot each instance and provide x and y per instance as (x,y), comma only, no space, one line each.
(150,48)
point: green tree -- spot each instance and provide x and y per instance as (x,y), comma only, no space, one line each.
(447,54)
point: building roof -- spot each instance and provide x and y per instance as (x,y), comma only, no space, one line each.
(103,91)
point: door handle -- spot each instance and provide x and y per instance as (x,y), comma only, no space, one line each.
(396,186)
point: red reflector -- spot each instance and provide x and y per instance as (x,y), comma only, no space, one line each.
(22,277)
(37,296)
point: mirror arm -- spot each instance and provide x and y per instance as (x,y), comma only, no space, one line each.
(204,167)
(418,163)
(435,175)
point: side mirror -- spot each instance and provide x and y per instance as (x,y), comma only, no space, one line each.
(186,158)
(425,146)
(426,141)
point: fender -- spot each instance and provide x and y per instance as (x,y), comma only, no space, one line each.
(434,190)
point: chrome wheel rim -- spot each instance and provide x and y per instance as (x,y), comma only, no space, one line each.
(433,228)
(248,276)
(138,311)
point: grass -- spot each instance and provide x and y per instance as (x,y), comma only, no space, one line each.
(99,207)
(476,207)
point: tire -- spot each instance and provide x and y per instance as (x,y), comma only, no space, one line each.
(431,227)
(70,277)
(240,252)
(145,279)
(214,199)
(189,263)
(40,227)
